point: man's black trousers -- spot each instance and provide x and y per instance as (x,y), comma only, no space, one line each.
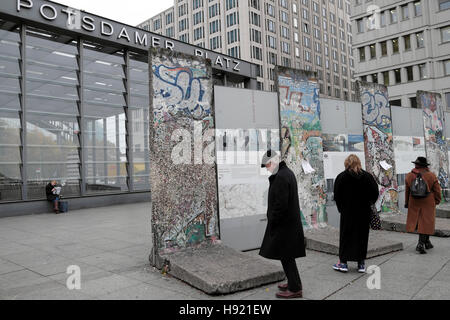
(291,271)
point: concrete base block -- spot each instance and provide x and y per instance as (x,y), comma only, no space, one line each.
(443,211)
(397,222)
(217,269)
(327,240)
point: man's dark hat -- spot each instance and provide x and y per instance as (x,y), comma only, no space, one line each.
(267,156)
(421,161)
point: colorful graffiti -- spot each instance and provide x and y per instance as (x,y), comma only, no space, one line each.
(184,196)
(435,141)
(301,140)
(378,143)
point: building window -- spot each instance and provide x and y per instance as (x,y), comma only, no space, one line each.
(255,19)
(197,4)
(447,98)
(234,52)
(215,43)
(407,40)
(444,4)
(383,19)
(423,71)
(383,48)
(410,73)
(405,12)
(445,34)
(375,78)
(446,67)
(393,15)
(413,102)
(396,102)
(139,117)
(230,4)
(198,17)
(233,36)
(373,51)
(386,78)
(11,110)
(53,128)
(214,26)
(418,8)
(214,10)
(362,54)
(395,47)
(198,33)
(256,36)
(360,25)
(420,40)
(398,76)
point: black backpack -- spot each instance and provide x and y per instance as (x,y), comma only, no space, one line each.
(419,188)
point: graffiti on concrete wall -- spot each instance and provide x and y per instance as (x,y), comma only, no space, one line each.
(184,196)
(301,140)
(435,141)
(378,143)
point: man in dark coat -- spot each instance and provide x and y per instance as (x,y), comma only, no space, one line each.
(283,239)
(355,190)
(52,196)
(422,211)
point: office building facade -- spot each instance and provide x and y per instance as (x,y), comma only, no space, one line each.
(304,34)
(404,45)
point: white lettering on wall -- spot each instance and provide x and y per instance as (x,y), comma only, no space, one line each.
(106,24)
(24,4)
(51,8)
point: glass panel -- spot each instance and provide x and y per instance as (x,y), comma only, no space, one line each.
(53,150)
(10,105)
(105,121)
(139,117)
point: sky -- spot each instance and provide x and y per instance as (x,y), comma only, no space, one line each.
(130,12)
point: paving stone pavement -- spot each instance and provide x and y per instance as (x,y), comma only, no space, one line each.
(111,246)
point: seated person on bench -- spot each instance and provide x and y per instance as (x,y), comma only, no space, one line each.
(53,194)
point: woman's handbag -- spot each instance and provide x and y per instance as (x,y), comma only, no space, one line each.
(375,222)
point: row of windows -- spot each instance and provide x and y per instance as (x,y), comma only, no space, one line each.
(417,38)
(443,5)
(397,77)
(379,19)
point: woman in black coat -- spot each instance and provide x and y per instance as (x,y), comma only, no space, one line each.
(283,239)
(355,190)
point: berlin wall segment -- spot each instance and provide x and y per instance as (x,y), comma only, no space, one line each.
(378,143)
(301,140)
(434,130)
(184,197)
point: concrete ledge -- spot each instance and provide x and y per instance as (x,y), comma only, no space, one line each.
(327,240)
(12,209)
(217,269)
(397,222)
(443,211)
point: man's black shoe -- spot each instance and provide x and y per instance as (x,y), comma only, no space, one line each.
(420,248)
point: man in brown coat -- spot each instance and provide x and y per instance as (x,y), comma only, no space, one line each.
(422,211)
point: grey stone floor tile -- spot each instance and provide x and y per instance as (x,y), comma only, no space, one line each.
(395,283)
(350,293)
(18,291)
(145,292)
(17,278)
(7,267)
(434,290)
(105,285)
